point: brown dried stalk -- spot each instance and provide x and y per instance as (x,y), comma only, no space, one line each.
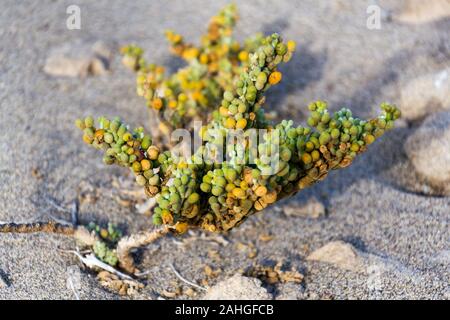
(127,244)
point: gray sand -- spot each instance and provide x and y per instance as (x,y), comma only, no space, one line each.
(370,205)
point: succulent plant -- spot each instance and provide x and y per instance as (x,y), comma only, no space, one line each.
(224,83)
(195,90)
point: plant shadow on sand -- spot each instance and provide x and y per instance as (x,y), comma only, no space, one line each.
(384,161)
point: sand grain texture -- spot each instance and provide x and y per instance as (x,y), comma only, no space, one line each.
(338,59)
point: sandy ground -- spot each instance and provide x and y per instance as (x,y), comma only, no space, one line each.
(368,205)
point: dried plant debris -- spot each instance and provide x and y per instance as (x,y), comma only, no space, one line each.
(121,286)
(171,294)
(212,273)
(190,283)
(266,237)
(274,274)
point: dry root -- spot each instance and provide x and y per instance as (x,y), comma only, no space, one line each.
(134,241)
(80,233)
(48,227)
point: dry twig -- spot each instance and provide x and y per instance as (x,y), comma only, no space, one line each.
(91,261)
(179,276)
(80,233)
